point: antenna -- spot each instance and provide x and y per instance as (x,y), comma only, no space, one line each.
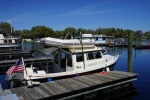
(10,27)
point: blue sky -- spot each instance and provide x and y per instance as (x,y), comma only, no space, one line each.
(87,14)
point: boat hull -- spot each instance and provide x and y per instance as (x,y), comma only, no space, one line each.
(48,79)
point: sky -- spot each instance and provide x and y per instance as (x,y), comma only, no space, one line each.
(86,14)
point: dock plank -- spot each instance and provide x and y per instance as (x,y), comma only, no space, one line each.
(20,92)
(99,79)
(33,92)
(46,89)
(56,88)
(74,85)
(108,76)
(63,83)
(86,80)
(43,93)
(124,73)
(118,75)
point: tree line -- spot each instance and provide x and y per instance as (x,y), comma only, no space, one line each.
(43,31)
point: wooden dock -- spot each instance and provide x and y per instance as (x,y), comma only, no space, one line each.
(142,47)
(76,87)
(12,56)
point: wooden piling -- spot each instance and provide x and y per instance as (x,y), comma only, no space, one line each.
(130,38)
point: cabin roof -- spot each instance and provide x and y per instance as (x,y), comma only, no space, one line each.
(84,50)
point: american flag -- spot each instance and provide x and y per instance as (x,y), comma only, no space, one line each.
(18,67)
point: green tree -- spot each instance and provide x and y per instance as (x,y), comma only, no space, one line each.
(58,34)
(138,34)
(17,32)
(83,31)
(99,31)
(147,35)
(89,31)
(68,32)
(26,34)
(5,28)
(41,31)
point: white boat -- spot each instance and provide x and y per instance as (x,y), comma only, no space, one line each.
(65,61)
(8,42)
(98,39)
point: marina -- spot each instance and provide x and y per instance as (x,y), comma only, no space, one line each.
(74,50)
(77,87)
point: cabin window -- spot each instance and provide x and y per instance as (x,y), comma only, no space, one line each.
(56,59)
(90,56)
(5,41)
(93,55)
(10,41)
(97,55)
(96,38)
(69,60)
(63,59)
(103,38)
(79,57)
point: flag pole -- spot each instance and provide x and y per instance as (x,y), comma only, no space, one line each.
(23,64)
(10,27)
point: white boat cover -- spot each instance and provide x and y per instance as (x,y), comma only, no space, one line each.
(48,41)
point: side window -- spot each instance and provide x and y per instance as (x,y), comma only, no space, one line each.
(93,55)
(97,55)
(69,60)
(90,56)
(79,57)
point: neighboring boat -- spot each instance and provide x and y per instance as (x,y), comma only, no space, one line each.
(65,61)
(9,42)
(98,39)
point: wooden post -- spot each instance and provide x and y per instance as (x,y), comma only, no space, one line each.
(130,37)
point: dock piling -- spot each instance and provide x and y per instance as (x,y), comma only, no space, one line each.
(130,38)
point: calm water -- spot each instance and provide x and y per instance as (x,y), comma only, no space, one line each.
(141,65)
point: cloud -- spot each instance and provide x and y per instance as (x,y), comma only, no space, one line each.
(95,9)
(29,16)
(87,12)
(80,11)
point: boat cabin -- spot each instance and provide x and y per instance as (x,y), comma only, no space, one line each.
(65,60)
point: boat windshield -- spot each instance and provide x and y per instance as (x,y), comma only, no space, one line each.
(49,52)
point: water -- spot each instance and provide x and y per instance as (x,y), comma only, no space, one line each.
(141,66)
